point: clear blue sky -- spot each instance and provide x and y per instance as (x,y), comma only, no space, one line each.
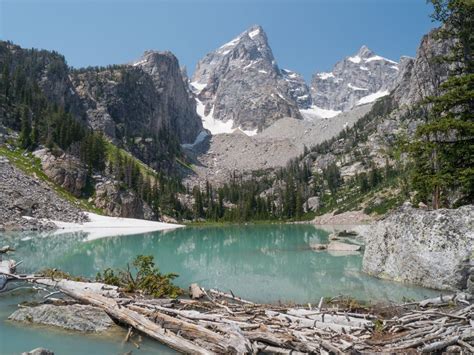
(305,35)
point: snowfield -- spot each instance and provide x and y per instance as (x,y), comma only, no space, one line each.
(372,97)
(103,226)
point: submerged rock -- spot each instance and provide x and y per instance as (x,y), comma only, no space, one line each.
(319,246)
(338,246)
(74,317)
(39,351)
(428,248)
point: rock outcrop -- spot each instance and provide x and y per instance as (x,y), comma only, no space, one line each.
(421,76)
(177,105)
(241,83)
(427,248)
(65,170)
(356,80)
(138,100)
(83,318)
(298,90)
(117,202)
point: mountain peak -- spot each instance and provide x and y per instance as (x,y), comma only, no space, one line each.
(365,52)
(254,31)
(355,80)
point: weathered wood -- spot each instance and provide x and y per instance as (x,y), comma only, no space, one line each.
(330,318)
(195,291)
(229,324)
(68,286)
(192,331)
(309,323)
(230,296)
(125,315)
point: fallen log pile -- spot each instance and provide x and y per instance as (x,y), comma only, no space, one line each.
(224,323)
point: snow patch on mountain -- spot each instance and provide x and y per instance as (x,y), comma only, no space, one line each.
(324,76)
(318,112)
(356,59)
(377,57)
(372,97)
(196,86)
(254,33)
(353,87)
(215,126)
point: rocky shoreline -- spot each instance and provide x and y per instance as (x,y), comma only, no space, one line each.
(216,322)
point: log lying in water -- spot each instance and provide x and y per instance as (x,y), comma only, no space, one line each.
(94,294)
(231,325)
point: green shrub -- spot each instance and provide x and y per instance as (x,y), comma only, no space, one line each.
(144,277)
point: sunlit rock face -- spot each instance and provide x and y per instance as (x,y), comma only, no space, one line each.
(428,248)
(356,80)
(241,83)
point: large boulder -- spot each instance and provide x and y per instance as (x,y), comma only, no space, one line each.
(429,248)
(77,317)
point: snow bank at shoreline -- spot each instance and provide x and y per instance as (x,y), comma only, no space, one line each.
(103,226)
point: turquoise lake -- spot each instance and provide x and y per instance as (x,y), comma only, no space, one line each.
(263,263)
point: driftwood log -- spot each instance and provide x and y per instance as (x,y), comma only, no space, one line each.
(225,323)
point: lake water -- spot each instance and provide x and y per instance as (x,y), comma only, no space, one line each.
(263,263)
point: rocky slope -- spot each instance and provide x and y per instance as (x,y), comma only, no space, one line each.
(355,80)
(274,147)
(428,248)
(240,83)
(24,195)
(65,170)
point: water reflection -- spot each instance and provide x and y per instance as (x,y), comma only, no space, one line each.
(263,263)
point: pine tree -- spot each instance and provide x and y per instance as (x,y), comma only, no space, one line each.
(443,151)
(25,134)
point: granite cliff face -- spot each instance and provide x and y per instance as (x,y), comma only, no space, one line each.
(138,100)
(298,90)
(241,83)
(177,106)
(355,80)
(421,76)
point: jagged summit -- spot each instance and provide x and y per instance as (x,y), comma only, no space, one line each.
(240,84)
(355,80)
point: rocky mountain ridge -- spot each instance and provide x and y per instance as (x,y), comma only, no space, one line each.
(356,80)
(240,85)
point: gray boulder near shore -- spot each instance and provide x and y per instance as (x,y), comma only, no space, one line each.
(433,249)
(38,351)
(77,317)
